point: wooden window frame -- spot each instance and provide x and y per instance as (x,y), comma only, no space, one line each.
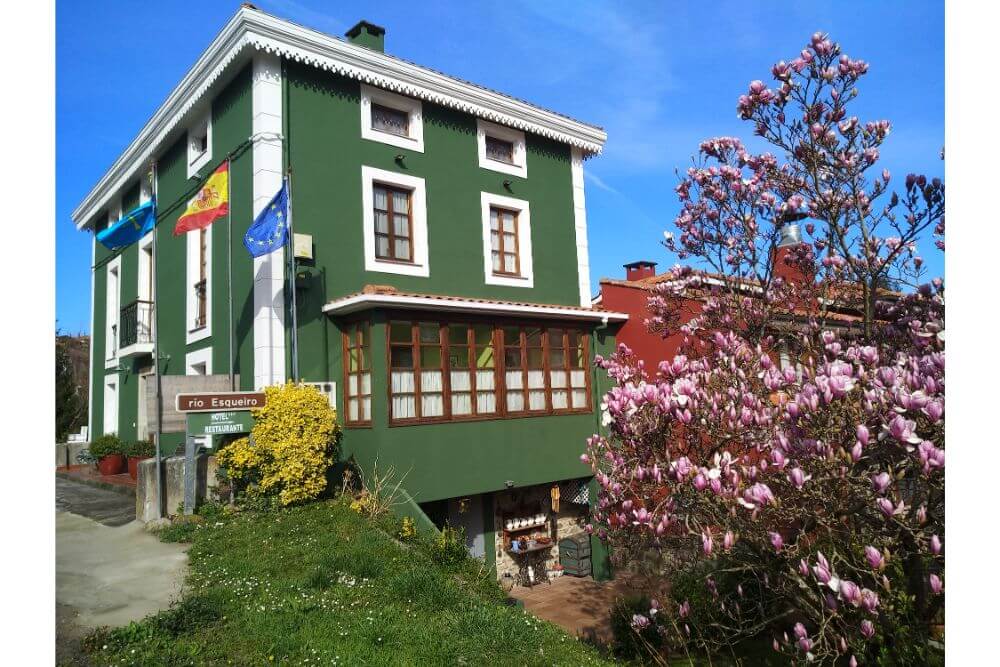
(354,328)
(390,215)
(499,368)
(500,210)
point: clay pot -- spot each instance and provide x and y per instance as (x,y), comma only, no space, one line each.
(112,464)
(133,465)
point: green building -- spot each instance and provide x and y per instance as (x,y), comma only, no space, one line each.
(441,282)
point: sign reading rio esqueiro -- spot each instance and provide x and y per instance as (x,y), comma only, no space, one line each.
(220,401)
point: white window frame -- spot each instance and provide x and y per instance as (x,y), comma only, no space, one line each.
(418,204)
(516,137)
(110,406)
(408,105)
(527,277)
(192,274)
(192,360)
(195,160)
(112,311)
(197,358)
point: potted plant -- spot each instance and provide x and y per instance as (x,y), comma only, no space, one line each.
(109,453)
(138,451)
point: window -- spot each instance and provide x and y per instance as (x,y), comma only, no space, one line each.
(503,241)
(506,241)
(393,225)
(450,371)
(358,373)
(199,150)
(395,222)
(199,284)
(501,149)
(112,312)
(391,119)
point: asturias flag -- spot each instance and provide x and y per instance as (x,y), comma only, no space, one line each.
(132,227)
(210,204)
(269,230)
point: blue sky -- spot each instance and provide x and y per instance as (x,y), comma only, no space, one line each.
(659,77)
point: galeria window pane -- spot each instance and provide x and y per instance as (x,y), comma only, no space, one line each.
(450,371)
(357,363)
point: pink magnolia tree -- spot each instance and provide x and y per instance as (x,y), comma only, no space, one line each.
(802,503)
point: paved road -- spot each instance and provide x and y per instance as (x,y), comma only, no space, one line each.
(101,505)
(109,570)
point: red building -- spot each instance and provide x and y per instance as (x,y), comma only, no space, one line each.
(631,295)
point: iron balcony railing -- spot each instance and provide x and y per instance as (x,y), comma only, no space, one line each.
(136,323)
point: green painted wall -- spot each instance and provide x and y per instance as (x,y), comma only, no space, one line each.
(231,125)
(326,152)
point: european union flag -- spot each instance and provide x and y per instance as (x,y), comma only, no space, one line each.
(269,230)
(132,227)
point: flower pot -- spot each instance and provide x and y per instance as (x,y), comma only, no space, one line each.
(133,465)
(112,464)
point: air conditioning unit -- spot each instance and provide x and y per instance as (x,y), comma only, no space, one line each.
(328,389)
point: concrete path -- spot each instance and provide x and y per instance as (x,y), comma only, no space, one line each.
(109,570)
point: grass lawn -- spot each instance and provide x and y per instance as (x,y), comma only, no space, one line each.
(322,585)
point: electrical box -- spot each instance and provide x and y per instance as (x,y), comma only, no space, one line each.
(303,246)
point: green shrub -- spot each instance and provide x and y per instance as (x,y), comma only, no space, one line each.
(629,643)
(140,448)
(425,587)
(106,445)
(448,546)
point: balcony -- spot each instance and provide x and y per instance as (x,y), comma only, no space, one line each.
(136,329)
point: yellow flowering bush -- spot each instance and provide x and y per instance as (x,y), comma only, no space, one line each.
(407,529)
(295,437)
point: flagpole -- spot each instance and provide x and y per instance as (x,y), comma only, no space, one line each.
(156,357)
(229,268)
(295,309)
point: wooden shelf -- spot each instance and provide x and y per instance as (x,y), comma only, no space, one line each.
(537,547)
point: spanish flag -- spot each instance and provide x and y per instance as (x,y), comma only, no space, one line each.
(210,204)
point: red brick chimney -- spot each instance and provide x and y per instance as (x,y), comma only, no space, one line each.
(790,238)
(639,270)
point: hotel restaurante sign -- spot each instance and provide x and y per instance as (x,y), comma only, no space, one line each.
(220,401)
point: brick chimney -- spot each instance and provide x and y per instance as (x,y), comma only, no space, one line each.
(791,237)
(639,270)
(368,35)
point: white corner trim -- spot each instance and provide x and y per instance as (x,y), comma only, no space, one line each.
(255,30)
(360,302)
(269,296)
(527,277)
(196,159)
(112,311)
(192,335)
(412,107)
(580,226)
(516,137)
(420,266)
(91,378)
(202,356)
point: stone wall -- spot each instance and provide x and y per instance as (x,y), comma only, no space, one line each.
(66,453)
(173,485)
(570,520)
